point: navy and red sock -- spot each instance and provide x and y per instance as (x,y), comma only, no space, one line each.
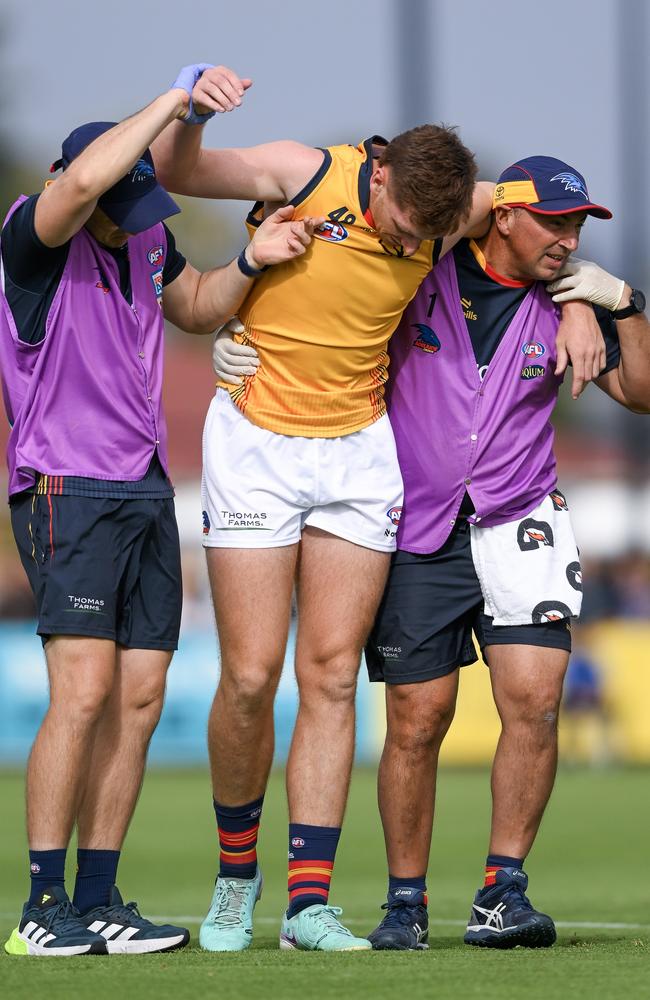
(494,862)
(238,828)
(312,850)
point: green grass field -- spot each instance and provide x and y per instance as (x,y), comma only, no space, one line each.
(589,871)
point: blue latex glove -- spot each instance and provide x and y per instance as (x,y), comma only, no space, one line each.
(185,80)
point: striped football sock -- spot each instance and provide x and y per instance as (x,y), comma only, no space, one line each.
(238,827)
(312,850)
(496,861)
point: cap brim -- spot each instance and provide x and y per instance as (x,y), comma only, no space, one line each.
(560,207)
(142,213)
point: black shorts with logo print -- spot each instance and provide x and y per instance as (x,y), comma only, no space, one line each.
(102,567)
(431,606)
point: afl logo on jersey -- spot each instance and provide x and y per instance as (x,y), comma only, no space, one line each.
(394,514)
(332,232)
(533,350)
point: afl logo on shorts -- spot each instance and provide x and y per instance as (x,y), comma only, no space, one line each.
(297,842)
(533,350)
(155,254)
(332,232)
(206,523)
(550,611)
(394,514)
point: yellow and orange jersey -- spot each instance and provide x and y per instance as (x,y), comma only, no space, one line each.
(321,323)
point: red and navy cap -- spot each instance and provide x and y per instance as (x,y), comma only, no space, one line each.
(137,201)
(546,185)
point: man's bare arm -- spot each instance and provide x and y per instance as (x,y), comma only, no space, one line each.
(65,206)
(629,384)
(275,171)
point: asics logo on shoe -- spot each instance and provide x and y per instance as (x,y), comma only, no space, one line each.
(403,892)
(493,918)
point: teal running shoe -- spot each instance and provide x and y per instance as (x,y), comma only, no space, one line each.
(229,923)
(317,928)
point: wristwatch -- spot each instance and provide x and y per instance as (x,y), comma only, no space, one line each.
(637,305)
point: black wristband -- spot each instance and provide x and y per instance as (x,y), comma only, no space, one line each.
(245,267)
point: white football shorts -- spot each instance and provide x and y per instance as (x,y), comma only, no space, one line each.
(260,489)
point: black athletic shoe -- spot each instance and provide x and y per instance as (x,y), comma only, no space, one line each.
(406,924)
(502,915)
(128,933)
(52,926)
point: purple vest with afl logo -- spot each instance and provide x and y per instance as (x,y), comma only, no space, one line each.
(456,433)
(87,400)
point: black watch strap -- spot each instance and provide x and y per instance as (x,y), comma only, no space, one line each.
(636,306)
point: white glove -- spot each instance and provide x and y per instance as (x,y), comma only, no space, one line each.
(582,279)
(231,360)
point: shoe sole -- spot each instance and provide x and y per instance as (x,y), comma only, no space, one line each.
(538,935)
(148,946)
(23,947)
(399,947)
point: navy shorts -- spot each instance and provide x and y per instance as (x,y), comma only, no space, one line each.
(431,606)
(104,568)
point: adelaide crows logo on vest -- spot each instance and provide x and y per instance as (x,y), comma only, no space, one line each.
(427,341)
(332,232)
(550,611)
(103,281)
(531,534)
(574,575)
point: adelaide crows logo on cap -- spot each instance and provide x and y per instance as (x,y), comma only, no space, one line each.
(574,575)
(531,534)
(141,171)
(428,341)
(571,183)
(550,611)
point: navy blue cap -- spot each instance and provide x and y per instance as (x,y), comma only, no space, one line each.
(134,203)
(546,185)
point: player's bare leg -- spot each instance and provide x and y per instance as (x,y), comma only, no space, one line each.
(418,717)
(81,673)
(527,686)
(251,590)
(339,588)
(120,748)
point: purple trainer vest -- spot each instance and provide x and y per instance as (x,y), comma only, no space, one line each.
(86,400)
(455,433)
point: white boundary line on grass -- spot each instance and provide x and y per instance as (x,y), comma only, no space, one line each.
(185,918)
(586,924)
